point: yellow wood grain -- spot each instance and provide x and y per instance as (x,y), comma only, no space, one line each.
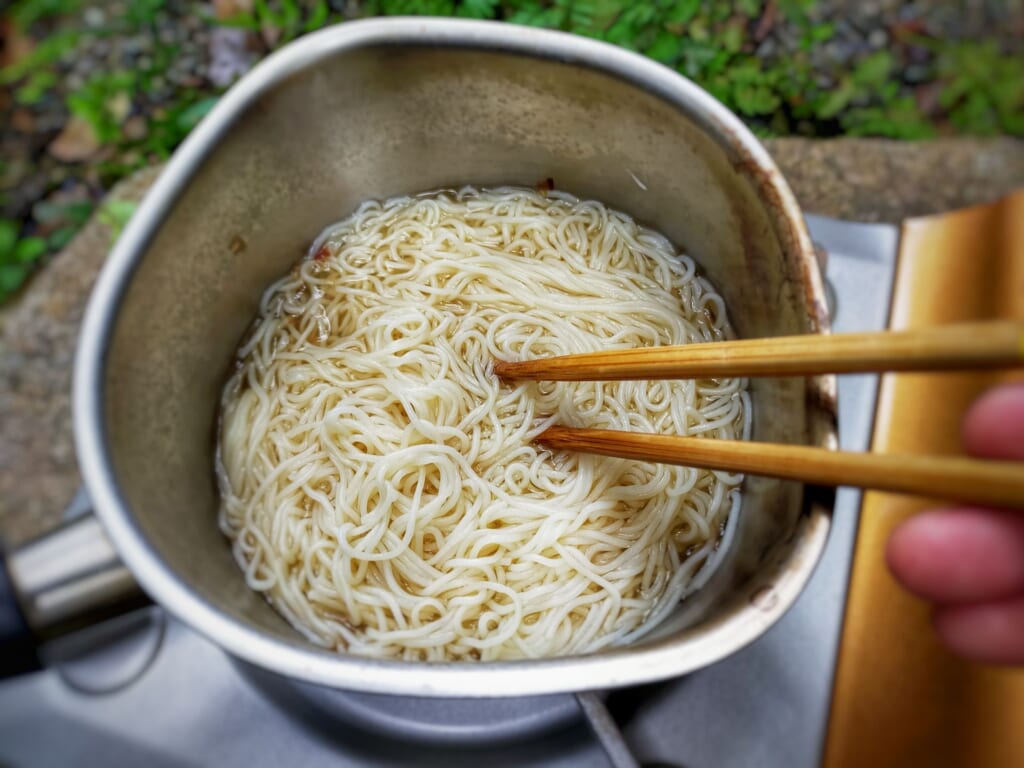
(996,344)
(900,698)
(971,481)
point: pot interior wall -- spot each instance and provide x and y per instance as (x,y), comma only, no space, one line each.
(378,122)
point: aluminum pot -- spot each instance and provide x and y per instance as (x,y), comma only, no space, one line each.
(372,109)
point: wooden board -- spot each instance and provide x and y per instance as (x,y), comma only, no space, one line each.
(901,699)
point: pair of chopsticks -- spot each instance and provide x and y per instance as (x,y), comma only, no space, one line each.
(971,346)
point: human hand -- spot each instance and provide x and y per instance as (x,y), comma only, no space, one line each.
(969,561)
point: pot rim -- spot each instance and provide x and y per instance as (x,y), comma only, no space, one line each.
(629,665)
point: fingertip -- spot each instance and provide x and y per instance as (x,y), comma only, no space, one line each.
(994,424)
(902,553)
(917,554)
(959,555)
(989,632)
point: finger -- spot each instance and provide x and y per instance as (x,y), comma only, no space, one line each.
(959,555)
(990,632)
(994,425)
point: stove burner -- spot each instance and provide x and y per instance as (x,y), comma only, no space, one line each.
(467,722)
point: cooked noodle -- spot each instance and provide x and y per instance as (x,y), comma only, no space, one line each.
(380,485)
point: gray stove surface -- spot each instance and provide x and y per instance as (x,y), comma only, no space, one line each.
(163,696)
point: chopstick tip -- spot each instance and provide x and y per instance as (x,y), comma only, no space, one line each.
(501,368)
(554,437)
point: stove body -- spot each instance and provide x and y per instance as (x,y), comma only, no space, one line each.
(151,692)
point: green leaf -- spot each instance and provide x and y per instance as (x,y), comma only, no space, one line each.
(579,15)
(38,83)
(899,120)
(747,71)
(641,15)
(143,13)
(755,100)
(265,15)
(750,8)
(418,7)
(11,278)
(681,11)
(623,33)
(697,57)
(795,11)
(537,15)
(1013,124)
(477,9)
(47,212)
(607,11)
(836,100)
(191,115)
(8,237)
(291,16)
(29,249)
(719,87)
(873,70)
(698,30)
(732,37)
(16,257)
(49,51)
(666,48)
(240,20)
(61,237)
(1008,90)
(318,17)
(717,11)
(718,63)
(954,90)
(30,11)
(92,102)
(116,213)
(819,33)
(976,115)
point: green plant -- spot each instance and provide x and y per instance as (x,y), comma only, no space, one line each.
(712,42)
(417,7)
(17,256)
(286,16)
(49,51)
(478,9)
(61,219)
(983,89)
(142,13)
(169,126)
(28,12)
(36,86)
(103,102)
(865,101)
(116,214)
(20,253)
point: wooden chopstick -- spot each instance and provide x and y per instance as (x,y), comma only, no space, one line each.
(990,483)
(997,344)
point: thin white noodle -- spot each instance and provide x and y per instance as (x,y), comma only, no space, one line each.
(381,487)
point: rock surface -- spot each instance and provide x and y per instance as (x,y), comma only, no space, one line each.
(38,332)
(881,180)
(866,180)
